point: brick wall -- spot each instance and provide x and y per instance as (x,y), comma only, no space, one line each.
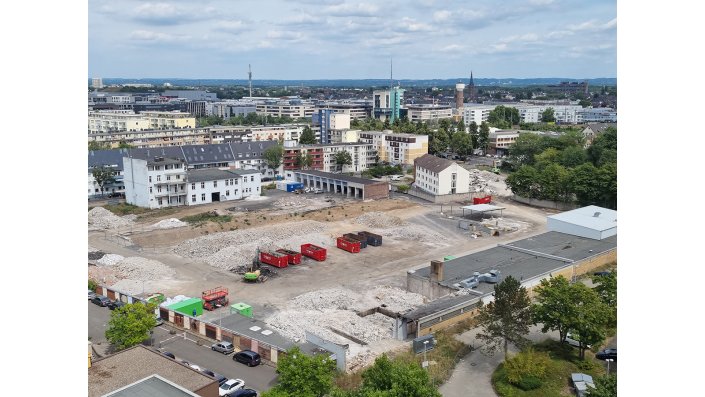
(377,191)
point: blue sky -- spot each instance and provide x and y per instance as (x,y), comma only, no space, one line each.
(338,39)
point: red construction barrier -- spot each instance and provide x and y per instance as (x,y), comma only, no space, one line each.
(482,200)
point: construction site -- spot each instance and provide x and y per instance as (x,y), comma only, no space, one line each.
(332,267)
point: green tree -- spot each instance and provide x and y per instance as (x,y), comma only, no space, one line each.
(460,143)
(585,103)
(548,115)
(130,325)
(548,156)
(573,156)
(606,288)
(585,184)
(568,139)
(303,375)
(525,148)
(473,128)
(527,363)
(388,378)
(461,126)
(524,182)
(273,155)
(103,176)
(483,138)
(438,141)
(607,185)
(554,308)
(303,161)
(95,145)
(605,386)
(307,137)
(553,182)
(124,145)
(507,318)
(504,117)
(604,148)
(343,158)
(592,317)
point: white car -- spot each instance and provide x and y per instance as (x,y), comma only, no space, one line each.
(395,177)
(230,386)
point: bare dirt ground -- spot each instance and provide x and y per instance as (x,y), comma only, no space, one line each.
(421,232)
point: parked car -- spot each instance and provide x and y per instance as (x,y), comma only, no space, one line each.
(171,355)
(115,305)
(208,372)
(574,342)
(317,191)
(395,177)
(244,393)
(101,300)
(220,378)
(610,353)
(223,347)
(230,386)
(247,357)
(159,321)
(91,295)
(601,274)
(196,367)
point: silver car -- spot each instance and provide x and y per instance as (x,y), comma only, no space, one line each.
(223,347)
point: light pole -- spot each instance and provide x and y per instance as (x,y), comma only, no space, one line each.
(425,363)
(609,360)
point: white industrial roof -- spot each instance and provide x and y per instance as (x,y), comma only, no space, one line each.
(482,207)
(592,217)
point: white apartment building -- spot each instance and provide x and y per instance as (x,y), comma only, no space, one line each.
(439,176)
(102,121)
(292,108)
(163,182)
(356,111)
(97,82)
(154,138)
(169,120)
(243,133)
(598,115)
(362,155)
(476,113)
(428,112)
(396,148)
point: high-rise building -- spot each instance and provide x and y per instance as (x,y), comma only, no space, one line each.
(386,104)
(97,83)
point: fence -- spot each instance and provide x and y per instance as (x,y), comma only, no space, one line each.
(556,205)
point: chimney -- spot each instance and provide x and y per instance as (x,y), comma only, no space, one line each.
(436,271)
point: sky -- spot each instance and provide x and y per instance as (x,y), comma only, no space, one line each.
(343,39)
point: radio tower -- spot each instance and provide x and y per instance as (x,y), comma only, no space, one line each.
(249,74)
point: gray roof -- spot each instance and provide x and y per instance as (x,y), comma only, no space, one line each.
(173,152)
(164,160)
(599,128)
(340,177)
(211,174)
(152,386)
(586,217)
(113,157)
(432,163)
(207,154)
(130,365)
(438,305)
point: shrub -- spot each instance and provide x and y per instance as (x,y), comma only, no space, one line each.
(92,285)
(403,188)
(528,363)
(529,383)
(585,365)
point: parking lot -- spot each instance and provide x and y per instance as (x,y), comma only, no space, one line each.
(185,347)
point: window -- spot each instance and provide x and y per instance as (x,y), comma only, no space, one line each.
(258,188)
(150,190)
(203,197)
(236,181)
(252,178)
(227,192)
(159,189)
(226,182)
(150,179)
(159,201)
(193,198)
(203,185)
(168,177)
(215,183)
(231,181)
(193,186)
(159,178)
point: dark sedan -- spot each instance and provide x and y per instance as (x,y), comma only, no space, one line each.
(607,354)
(101,300)
(115,305)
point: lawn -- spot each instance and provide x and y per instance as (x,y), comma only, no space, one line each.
(564,361)
(202,218)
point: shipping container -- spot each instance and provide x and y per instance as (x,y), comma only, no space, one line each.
(294,257)
(372,239)
(313,251)
(355,237)
(291,186)
(274,258)
(482,200)
(352,246)
(188,307)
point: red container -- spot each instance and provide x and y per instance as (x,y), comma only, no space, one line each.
(347,244)
(274,258)
(294,257)
(314,251)
(482,200)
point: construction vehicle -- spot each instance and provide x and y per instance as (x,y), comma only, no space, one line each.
(495,166)
(214,298)
(254,274)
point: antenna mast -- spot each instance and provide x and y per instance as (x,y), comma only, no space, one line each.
(249,74)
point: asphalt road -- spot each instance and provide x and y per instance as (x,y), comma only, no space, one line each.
(260,378)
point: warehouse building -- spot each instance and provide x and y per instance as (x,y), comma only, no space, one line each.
(591,222)
(346,185)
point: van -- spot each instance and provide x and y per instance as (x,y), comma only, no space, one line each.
(247,357)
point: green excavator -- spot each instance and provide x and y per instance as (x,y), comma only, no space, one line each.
(253,275)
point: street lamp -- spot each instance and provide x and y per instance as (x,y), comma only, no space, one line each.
(425,363)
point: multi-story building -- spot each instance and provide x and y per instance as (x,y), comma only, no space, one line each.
(291,154)
(127,120)
(363,155)
(169,120)
(328,124)
(358,110)
(245,133)
(386,104)
(396,148)
(228,109)
(598,115)
(210,185)
(111,159)
(97,83)
(476,113)
(440,176)
(500,140)
(191,95)
(294,108)
(428,112)
(154,138)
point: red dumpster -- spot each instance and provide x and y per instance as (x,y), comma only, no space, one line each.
(482,200)
(355,237)
(294,257)
(274,258)
(344,243)
(314,251)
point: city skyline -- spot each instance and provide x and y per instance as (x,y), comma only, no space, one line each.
(340,39)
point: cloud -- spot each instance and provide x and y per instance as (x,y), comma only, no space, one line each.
(540,2)
(450,48)
(411,25)
(352,10)
(156,37)
(168,14)
(302,20)
(234,26)
(528,37)
(592,26)
(289,36)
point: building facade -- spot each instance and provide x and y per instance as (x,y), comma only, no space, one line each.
(154,138)
(476,113)
(329,124)
(386,104)
(440,176)
(428,112)
(396,148)
(358,110)
(244,133)
(127,120)
(294,108)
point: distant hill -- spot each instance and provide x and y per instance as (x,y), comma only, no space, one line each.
(362,83)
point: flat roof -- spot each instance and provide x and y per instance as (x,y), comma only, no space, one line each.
(532,257)
(592,217)
(482,207)
(211,174)
(341,177)
(131,365)
(438,305)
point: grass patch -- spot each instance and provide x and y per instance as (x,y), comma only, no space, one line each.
(205,217)
(125,209)
(564,361)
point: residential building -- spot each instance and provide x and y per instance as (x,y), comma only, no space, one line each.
(362,155)
(97,83)
(209,185)
(396,148)
(476,113)
(110,159)
(154,138)
(329,123)
(127,120)
(591,131)
(158,182)
(191,95)
(358,110)
(169,120)
(569,87)
(386,104)
(428,112)
(293,107)
(500,140)
(228,109)
(291,154)
(246,133)
(440,176)
(599,115)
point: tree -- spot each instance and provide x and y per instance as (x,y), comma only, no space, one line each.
(504,117)
(387,378)
(592,317)
(526,364)
(130,325)
(507,318)
(95,145)
(548,115)
(607,185)
(302,160)
(554,308)
(483,138)
(524,182)
(438,141)
(460,143)
(103,176)
(461,126)
(573,156)
(273,156)
(606,288)
(605,386)
(303,375)
(585,184)
(553,182)
(307,137)
(124,145)
(343,158)
(604,147)
(473,128)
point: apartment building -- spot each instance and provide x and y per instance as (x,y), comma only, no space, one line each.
(363,155)
(169,120)
(110,159)
(228,109)
(328,125)
(292,152)
(440,176)
(428,112)
(358,110)
(386,104)
(476,113)
(396,148)
(500,140)
(102,121)
(598,115)
(210,185)
(154,138)
(294,108)
(245,133)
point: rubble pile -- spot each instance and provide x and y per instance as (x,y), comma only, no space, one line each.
(380,220)
(394,299)
(138,268)
(109,260)
(504,224)
(101,219)
(414,232)
(169,224)
(292,201)
(95,255)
